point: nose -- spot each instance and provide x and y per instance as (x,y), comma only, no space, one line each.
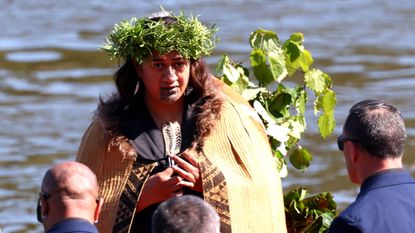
(169,75)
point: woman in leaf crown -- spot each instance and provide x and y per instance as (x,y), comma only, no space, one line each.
(173,129)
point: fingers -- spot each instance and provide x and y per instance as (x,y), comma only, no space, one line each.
(188,184)
(191,165)
(167,172)
(188,170)
(184,169)
(190,157)
(174,181)
(181,162)
(185,175)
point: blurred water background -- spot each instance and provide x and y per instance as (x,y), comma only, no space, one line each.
(51,75)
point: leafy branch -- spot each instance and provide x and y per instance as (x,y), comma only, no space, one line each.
(282,108)
(309,213)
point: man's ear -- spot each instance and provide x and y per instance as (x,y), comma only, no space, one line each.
(44,207)
(100,202)
(355,152)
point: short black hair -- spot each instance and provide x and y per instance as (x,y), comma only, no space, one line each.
(378,127)
(185,214)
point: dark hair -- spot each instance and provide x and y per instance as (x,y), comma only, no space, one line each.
(378,127)
(185,214)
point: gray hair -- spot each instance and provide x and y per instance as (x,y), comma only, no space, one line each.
(185,214)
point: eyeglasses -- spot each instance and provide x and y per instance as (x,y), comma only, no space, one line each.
(341,139)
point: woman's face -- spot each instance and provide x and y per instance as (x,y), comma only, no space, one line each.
(165,77)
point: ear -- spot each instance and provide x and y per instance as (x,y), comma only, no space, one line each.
(354,152)
(44,207)
(98,209)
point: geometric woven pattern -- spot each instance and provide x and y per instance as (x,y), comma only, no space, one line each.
(129,197)
(215,191)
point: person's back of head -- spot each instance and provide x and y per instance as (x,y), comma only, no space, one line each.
(185,214)
(378,127)
(69,190)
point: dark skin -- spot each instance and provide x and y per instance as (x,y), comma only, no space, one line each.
(188,169)
(170,182)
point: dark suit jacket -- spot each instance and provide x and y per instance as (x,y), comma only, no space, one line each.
(386,203)
(73,225)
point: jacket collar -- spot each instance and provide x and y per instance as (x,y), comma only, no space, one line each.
(386,178)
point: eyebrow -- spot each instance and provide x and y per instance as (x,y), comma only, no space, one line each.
(174,59)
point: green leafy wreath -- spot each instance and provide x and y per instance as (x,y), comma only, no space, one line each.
(138,38)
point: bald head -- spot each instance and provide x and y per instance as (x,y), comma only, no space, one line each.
(69,190)
(71,180)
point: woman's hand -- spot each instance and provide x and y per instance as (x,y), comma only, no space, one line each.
(188,169)
(160,187)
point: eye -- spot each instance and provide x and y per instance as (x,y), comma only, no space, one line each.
(157,65)
(179,65)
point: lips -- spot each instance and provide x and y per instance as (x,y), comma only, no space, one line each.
(169,88)
(168,91)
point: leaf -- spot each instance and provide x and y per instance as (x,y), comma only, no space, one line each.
(278,132)
(315,80)
(326,124)
(264,40)
(305,60)
(300,158)
(221,65)
(297,128)
(231,73)
(297,37)
(293,50)
(279,104)
(300,100)
(277,65)
(328,101)
(283,170)
(328,80)
(242,83)
(321,224)
(235,75)
(263,112)
(295,55)
(261,70)
(250,93)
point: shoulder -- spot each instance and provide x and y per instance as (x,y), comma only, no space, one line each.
(344,224)
(234,102)
(229,93)
(98,141)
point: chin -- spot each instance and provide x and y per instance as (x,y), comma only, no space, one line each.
(171,99)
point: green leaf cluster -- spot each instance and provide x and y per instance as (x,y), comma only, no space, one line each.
(305,213)
(282,108)
(138,38)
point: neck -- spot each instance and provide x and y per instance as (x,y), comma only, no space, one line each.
(374,165)
(163,113)
(62,212)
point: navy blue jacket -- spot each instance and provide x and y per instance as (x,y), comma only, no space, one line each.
(386,203)
(73,225)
